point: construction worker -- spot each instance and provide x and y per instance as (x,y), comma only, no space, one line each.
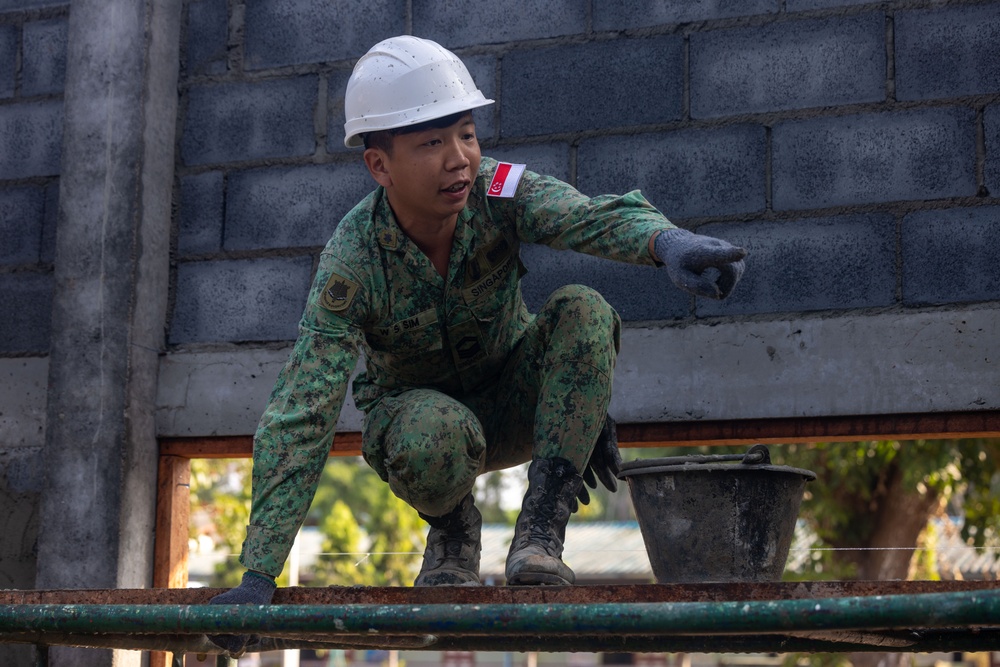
(423,278)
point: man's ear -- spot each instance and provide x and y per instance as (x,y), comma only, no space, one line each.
(377,162)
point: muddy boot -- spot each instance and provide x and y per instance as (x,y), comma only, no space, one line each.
(536,550)
(453,546)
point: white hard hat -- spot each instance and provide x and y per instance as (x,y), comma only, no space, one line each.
(403,81)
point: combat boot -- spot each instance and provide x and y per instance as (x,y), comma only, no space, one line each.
(536,550)
(453,547)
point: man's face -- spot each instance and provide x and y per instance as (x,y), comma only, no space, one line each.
(430,173)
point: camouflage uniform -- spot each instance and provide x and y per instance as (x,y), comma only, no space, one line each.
(459,378)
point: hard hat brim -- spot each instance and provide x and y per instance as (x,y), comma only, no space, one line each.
(356,128)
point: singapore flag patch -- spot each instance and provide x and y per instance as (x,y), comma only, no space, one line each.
(505,180)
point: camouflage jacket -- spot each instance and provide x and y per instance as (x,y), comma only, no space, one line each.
(375,292)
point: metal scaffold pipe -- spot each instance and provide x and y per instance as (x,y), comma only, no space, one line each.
(897,612)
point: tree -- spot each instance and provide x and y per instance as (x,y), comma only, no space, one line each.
(371,537)
(874,501)
(871,498)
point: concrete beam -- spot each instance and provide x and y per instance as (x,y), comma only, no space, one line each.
(892,363)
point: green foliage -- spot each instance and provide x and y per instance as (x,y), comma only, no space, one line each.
(220,493)
(370,537)
(980,495)
(816,660)
(852,475)
(490,491)
(343,560)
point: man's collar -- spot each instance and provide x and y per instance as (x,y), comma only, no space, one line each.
(387,231)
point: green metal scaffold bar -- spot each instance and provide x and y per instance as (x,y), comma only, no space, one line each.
(894,622)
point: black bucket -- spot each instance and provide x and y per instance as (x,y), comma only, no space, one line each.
(723,518)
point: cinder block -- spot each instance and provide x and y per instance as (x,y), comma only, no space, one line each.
(14,5)
(205,46)
(249,121)
(24,478)
(22,212)
(547,159)
(336,87)
(623,14)
(240,300)
(44,70)
(991,122)
(51,217)
(484,72)
(685,174)
(295,207)
(948,52)
(199,228)
(868,158)
(637,292)
(597,85)
(292,32)
(30,139)
(805,5)
(453,25)
(8,59)
(809,264)
(788,65)
(950,256)
(25,312)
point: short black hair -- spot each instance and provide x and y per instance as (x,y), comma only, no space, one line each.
(383,138)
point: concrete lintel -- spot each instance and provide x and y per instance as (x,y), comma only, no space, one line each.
(223,392)
(825,366)
(888,363)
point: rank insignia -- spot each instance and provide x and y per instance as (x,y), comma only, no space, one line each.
(389,239)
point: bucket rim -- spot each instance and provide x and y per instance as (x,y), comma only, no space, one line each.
(673,464)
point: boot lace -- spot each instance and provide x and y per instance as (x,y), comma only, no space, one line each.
(542,518)
(455,537)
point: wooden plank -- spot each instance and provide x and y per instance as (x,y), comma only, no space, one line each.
(924,426)
(170,552)
(347,443)
(173,511)
(980,424)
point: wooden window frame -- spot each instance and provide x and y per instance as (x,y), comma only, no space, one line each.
(174,473)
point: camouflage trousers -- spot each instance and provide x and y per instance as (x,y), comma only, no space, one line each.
(550,400)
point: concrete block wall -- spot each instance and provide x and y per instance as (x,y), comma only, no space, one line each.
(833,139)
(32,67)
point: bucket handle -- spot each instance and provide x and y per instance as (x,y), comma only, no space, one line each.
(758,455)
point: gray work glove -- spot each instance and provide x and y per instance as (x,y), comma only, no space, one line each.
(604,464)
(255,588)
(689,258)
